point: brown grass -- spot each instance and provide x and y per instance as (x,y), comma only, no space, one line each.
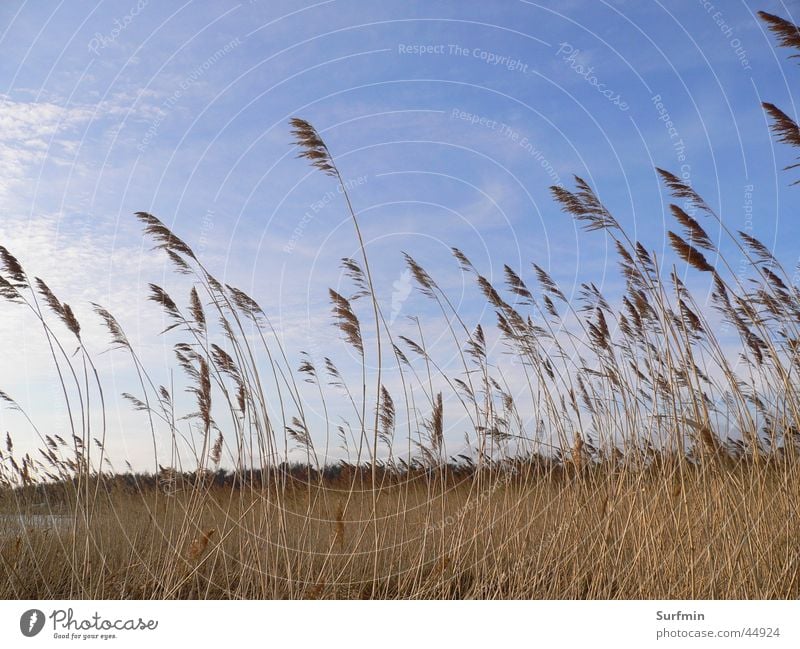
(648,448)
(714,531)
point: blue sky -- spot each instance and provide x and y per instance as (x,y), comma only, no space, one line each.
(450,119)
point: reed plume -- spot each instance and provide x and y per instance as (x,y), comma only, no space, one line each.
(787,32)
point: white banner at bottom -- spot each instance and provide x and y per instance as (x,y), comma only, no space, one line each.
(372,624)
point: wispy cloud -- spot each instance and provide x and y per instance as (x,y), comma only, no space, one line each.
(30,134)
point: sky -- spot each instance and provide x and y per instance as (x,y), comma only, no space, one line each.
(449,121)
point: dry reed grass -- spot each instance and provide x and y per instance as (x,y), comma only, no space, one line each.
(658,463)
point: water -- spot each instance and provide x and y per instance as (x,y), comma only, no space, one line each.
(19,522)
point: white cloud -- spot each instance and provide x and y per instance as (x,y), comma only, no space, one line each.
(30,134)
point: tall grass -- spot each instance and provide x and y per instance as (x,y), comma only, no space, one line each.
(641,453)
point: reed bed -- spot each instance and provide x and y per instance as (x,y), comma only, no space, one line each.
(722,532)
(650,452)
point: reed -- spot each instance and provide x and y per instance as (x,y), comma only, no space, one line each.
(641,453)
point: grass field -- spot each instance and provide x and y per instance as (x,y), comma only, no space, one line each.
(722,530)
(648,447)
